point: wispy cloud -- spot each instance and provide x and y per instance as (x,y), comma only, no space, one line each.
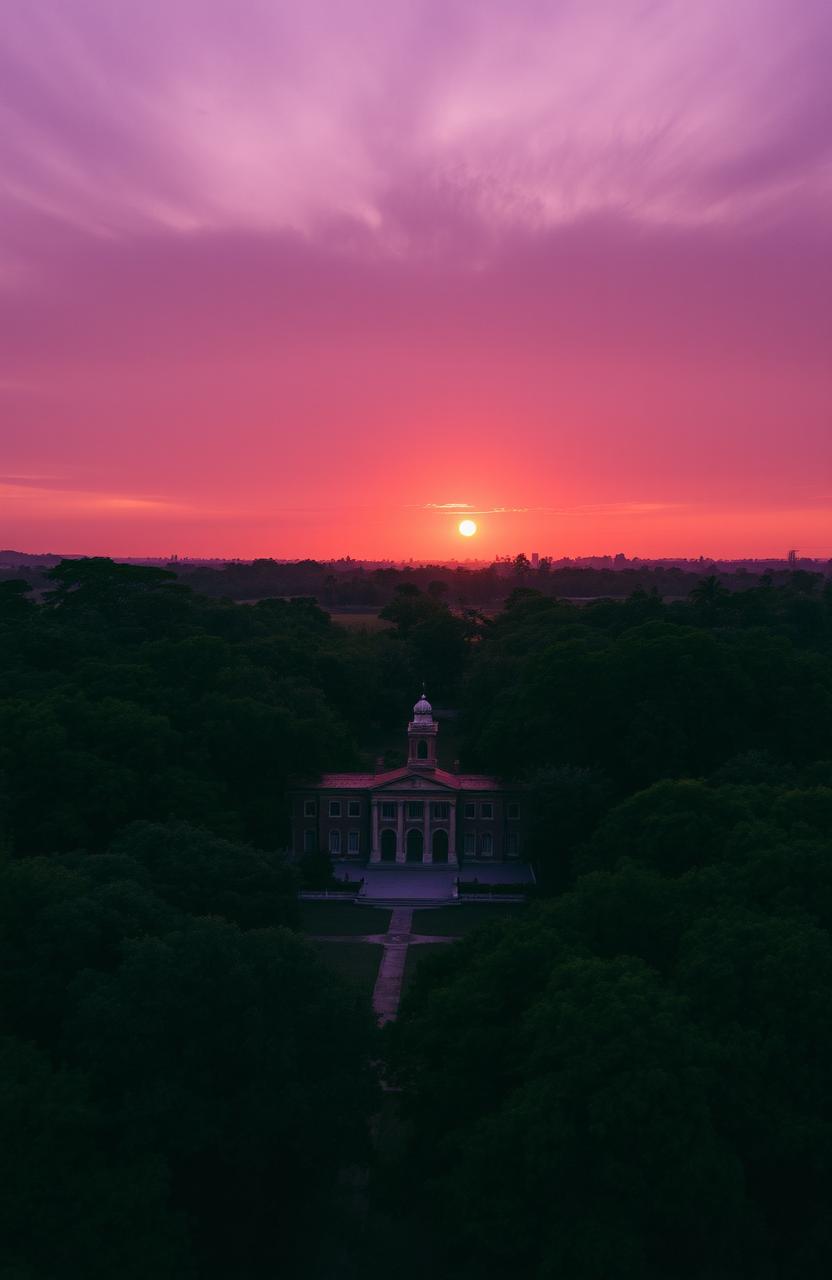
(589,509)
(49,495)
(410,124)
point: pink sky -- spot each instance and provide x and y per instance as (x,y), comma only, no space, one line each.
(285,279)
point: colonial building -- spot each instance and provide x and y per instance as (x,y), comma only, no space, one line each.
(417,813)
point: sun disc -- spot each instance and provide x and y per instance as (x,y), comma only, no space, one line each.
(467,528)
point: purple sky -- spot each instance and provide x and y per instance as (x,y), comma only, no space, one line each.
(287,278)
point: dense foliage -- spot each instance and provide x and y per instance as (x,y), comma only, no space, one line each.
(629,1082)
(179,1088)
(123,696)
(595,703)
(633,1082)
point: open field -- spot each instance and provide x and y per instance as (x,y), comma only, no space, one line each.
(356,961)
(457,921)
(356,620)
(328,917)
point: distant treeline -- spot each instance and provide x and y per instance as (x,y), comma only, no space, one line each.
(355,587)
(350,585)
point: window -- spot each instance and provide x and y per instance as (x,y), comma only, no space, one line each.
(421,750)
(310,844)
(469,844)
(353,842)
(486,844)
(335,842)
(486,811)
(470,811)
(512,844)
(513,810)
(354,809)
(415,808)
(388,809)
(309,808)
(335,808)
(441,809)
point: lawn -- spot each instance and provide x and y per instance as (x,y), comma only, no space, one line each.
(456,921)
(323,916)
(356,961)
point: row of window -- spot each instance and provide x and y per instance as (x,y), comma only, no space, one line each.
(415,809)
(487,810)
(310,808)
(440,809)
(353,845)
(471,846)
(483,846)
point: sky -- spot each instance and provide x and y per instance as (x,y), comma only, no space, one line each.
(319,278)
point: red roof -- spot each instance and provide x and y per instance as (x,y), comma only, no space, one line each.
(343,781)
(371,781)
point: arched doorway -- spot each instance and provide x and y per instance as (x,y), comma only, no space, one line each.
(440,845)
(388,845)
(415,844)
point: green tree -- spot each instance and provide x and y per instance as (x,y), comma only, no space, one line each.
(588,1148)
(239,1060)
(199,873)
(566,806)
(71,1205)
(708,594)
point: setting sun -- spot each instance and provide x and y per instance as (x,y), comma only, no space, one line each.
(467,528)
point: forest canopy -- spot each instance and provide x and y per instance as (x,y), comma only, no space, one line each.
(630,1080)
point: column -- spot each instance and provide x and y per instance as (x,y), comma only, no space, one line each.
(400,849)
(427,851)
(375,851)
(452,859)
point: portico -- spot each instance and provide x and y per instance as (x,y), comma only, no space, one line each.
(416,815)
(408,829)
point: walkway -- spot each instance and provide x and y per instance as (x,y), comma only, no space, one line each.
(387,992)
(427,884)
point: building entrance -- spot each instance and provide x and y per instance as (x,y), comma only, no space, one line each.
(415,845)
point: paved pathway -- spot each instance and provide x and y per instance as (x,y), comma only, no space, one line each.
(388,989)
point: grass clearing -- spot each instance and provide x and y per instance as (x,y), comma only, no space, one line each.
(358,621)
(455,922)
(356,961)
(324,916)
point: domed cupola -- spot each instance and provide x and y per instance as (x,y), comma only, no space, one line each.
(421,736)
(422,711)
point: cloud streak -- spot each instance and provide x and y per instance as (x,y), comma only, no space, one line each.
(51,496)
(411,128)
(592,509)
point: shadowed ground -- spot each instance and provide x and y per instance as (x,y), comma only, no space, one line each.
(356,961)
(326,917)
(459,920)
(405,935)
